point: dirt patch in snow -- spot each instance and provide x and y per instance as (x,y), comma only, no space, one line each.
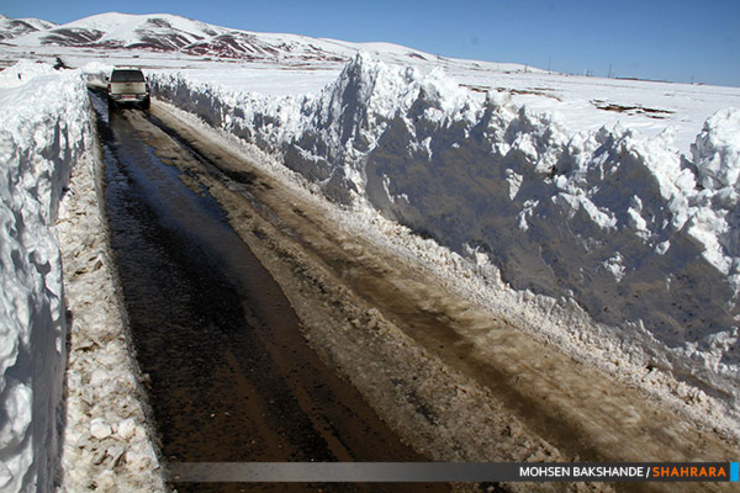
(632,109)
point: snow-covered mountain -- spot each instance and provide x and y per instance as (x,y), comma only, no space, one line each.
(160,32)
(165,33)
(12,28)
(171,35)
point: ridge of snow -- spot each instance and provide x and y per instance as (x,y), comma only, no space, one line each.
(39,143)
(45,132)
(613,219)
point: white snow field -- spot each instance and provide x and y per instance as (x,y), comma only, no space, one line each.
(600,214)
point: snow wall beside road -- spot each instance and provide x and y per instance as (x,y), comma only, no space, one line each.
(44,128)
(645,239)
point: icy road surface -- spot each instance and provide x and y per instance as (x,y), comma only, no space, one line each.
(453,382)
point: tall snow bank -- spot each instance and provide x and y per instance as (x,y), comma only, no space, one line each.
(643,238)
(43,131)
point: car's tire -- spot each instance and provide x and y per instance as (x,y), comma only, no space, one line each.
(146,104)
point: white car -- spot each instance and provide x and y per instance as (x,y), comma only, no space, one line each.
(128,85)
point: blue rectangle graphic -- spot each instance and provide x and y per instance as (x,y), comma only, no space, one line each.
(735,472)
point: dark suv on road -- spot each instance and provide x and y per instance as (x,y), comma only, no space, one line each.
(128,85)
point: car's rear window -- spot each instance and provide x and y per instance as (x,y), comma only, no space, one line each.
(127,76)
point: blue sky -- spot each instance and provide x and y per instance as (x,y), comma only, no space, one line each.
(654,39)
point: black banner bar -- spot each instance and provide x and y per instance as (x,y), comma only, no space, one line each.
(424,472)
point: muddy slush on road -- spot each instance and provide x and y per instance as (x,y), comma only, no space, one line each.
(450,380)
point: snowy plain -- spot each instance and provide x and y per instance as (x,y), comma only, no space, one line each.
(600,212)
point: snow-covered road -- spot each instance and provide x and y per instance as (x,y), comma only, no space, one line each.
(230,376)
(479,213)
(456,381)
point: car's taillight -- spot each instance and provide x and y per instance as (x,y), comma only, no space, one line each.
(108,87)
(147,87)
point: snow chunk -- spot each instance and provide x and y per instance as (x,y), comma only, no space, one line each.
(716,152)
(100,429)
